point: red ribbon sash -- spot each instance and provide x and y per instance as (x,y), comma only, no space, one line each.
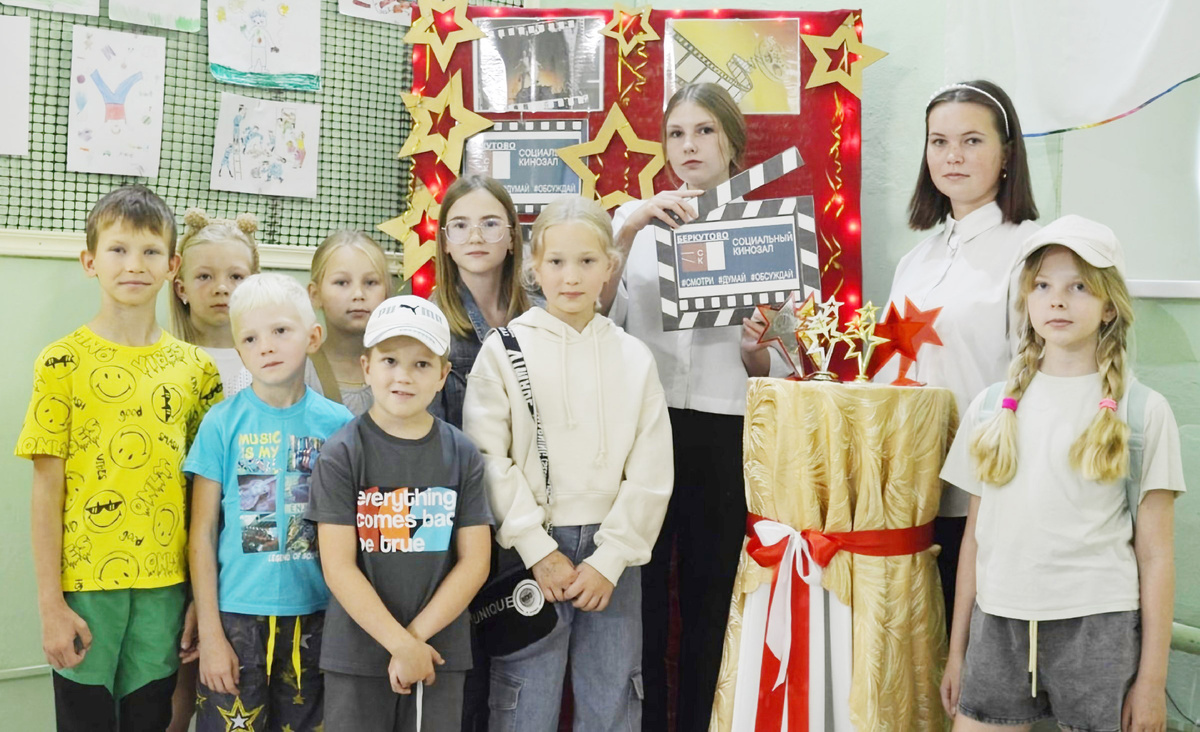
(823,547)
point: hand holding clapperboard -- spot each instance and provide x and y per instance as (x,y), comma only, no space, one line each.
(737,254)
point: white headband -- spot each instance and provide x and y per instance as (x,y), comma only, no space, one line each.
(977,90)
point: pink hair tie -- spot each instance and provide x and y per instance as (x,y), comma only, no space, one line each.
(1009,403)
(1108,404)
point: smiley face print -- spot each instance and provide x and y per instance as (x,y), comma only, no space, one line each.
(167,401)
(52,413)
(130,447)
(117,571)
(60,360)
(112,384)
(166,520)
(104,511)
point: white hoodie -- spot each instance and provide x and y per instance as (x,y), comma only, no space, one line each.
(607,433)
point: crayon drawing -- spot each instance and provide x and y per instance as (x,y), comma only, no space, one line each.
(14,85)
(79,7)
(265,43)
(181,15)
(115,115)
(396,12)
(265,147)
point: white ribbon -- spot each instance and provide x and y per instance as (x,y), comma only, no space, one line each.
(798,553)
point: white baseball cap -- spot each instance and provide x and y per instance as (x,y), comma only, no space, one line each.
(412,316)
(1095,243)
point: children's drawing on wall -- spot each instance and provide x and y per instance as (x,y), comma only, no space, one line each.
(534,65)
(265,43)
(757,61)
(265,147)
(79,7)
(181,15)
(396,12)
(115,115)
(14,85)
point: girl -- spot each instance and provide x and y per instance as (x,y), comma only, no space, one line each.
(704,374)
(974,186)
(585,530)
(215,256)
(1053,571)
(479,252)
(350,279)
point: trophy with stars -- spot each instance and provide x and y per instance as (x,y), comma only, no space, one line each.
(861,340)
(820,333)
(905,335)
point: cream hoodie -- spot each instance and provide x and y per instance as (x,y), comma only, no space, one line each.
(607,433)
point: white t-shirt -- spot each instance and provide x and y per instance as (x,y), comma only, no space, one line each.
(1053,545)
(229,366)
(965,268)
(700,369)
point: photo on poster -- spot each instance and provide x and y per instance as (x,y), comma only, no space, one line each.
(14,85)
(523,157)
(114,124)
(265,147)
(257,492)
(265,44)
(757,61)
(180,15)
(260,533)
(79,7)
(395,12)
(539,65)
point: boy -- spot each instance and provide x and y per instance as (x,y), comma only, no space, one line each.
(404,527)
(260,598)
(115,405)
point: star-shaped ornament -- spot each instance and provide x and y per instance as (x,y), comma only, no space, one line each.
(614,124)
(906,334)
(861,340)
(821,335)
(625,18)
(422,210)
(848,71)
(237,717)
(424,29)
(425,137)
(782,325)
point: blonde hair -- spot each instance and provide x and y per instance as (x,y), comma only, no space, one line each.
(1101,453)
(271,291)
(355,240)
(572,210)
(512,294)
(202,229)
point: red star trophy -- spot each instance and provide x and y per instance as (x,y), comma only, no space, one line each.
(905,336)
(785,327)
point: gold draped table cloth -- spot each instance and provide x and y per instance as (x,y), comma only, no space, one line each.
(854,457)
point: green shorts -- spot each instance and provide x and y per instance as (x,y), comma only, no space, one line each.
(135,636)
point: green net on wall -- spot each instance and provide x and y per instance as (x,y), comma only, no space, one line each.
(365,67)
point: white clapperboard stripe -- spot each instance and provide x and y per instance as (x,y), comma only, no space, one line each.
(550,125)
(723,203)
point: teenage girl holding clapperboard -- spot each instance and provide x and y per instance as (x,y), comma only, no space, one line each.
(974,187)
(704,375)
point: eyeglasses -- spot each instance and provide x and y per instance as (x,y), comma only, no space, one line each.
(492,231)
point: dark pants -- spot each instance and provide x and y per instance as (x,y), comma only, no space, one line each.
(705,523)
(87,708)
(948,533)
(475,686)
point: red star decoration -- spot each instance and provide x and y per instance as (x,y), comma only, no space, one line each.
(905,336)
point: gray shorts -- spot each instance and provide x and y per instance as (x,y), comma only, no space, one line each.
(368,704)
(1084,668)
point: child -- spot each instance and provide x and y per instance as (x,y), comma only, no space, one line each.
(215,256)
(115,405)
(404,528)
(260,598)
(608,444)
(1053,569)
(350,279)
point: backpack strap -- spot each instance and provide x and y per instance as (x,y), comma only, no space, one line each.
(1135,416)
(517,359)
(991,402)
(329,384)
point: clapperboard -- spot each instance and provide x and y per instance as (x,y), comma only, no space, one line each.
(713,271)
(523,157)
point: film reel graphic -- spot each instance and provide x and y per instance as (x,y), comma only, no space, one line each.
(724,203)
(692,65)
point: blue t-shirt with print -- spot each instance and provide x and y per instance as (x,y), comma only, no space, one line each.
(263,458)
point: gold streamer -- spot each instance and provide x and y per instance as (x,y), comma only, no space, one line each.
(836,198)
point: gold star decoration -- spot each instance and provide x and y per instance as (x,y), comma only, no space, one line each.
(847,73)
(237,717)
(422,207)
(622,20)
(423,29)
(860,338)
(614,124)
(423,138)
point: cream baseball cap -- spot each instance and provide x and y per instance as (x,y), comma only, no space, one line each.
(1094,242)
(412,316)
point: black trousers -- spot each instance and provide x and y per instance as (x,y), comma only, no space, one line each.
(948,533)
(87,708)
(705,524)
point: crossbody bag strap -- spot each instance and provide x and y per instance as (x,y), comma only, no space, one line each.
(1135,417)
(329,384)
(517,359)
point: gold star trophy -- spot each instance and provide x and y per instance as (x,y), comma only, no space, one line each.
(860,339)
(820,333)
